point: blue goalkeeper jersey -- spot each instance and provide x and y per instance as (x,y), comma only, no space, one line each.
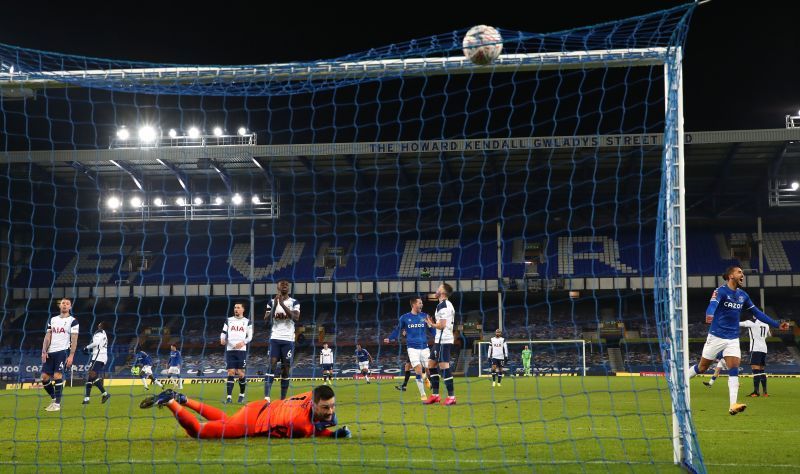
(175,358)
(362,355)
(726,305)
(143,359)
(416,330)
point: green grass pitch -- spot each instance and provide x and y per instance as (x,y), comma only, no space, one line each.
(542,424)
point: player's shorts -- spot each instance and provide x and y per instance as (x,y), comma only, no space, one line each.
(146,370)
(714,344)
(498,362)
(758,358)
(174,370)
(56,362)
(441,352)
(281,350)
(418,356)
(98,367)
(363,365)
(327,367)
(235,359)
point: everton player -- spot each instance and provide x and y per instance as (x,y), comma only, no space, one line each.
(363,358)
(416,328)
(144,365)
(723,313)
(174,365)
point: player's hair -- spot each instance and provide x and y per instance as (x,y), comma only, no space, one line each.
(101,325)
(282,280)
(65,298)
(729,272)
(173,345)
(448,290)
(323,392)
(414,299)
(238,302)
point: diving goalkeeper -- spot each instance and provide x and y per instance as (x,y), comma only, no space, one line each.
(301,416)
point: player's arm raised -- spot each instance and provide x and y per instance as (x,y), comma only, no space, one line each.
(761,316)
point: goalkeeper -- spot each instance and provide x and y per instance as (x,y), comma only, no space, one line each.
(301,416)
(526,361)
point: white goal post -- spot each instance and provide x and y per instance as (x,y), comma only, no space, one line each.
(539,347)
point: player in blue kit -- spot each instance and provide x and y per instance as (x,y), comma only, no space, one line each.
(143,366)
(415,325)
(363,358)
(724,313)
(174,365)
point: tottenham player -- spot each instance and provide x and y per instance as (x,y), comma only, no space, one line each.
(99,351)
(498,354)
(326,361)
(304,415)
(58,351)
(440,357)
(237,332)
(723,313)
(174,366)
(414,323)
(143,366)
(759,332)
(363,358)
(283,311)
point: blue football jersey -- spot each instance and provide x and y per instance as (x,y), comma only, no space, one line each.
(362,355)
(726,305)
(175,358)
(142,358)
(416,330)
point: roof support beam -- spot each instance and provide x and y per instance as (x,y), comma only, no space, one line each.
(90,173)
(132,172)
(183,180)
(223,174)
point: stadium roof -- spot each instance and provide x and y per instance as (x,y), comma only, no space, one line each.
(727,172)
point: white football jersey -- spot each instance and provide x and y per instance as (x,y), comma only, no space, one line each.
(60,330)
(99,347)
(326,356)
(498,349)
(282,329)
(759,332)
(237,330)
(445,311)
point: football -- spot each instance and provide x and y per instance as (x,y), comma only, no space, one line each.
(482,44)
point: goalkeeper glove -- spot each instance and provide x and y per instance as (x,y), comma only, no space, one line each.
(135,370)
(343,432)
